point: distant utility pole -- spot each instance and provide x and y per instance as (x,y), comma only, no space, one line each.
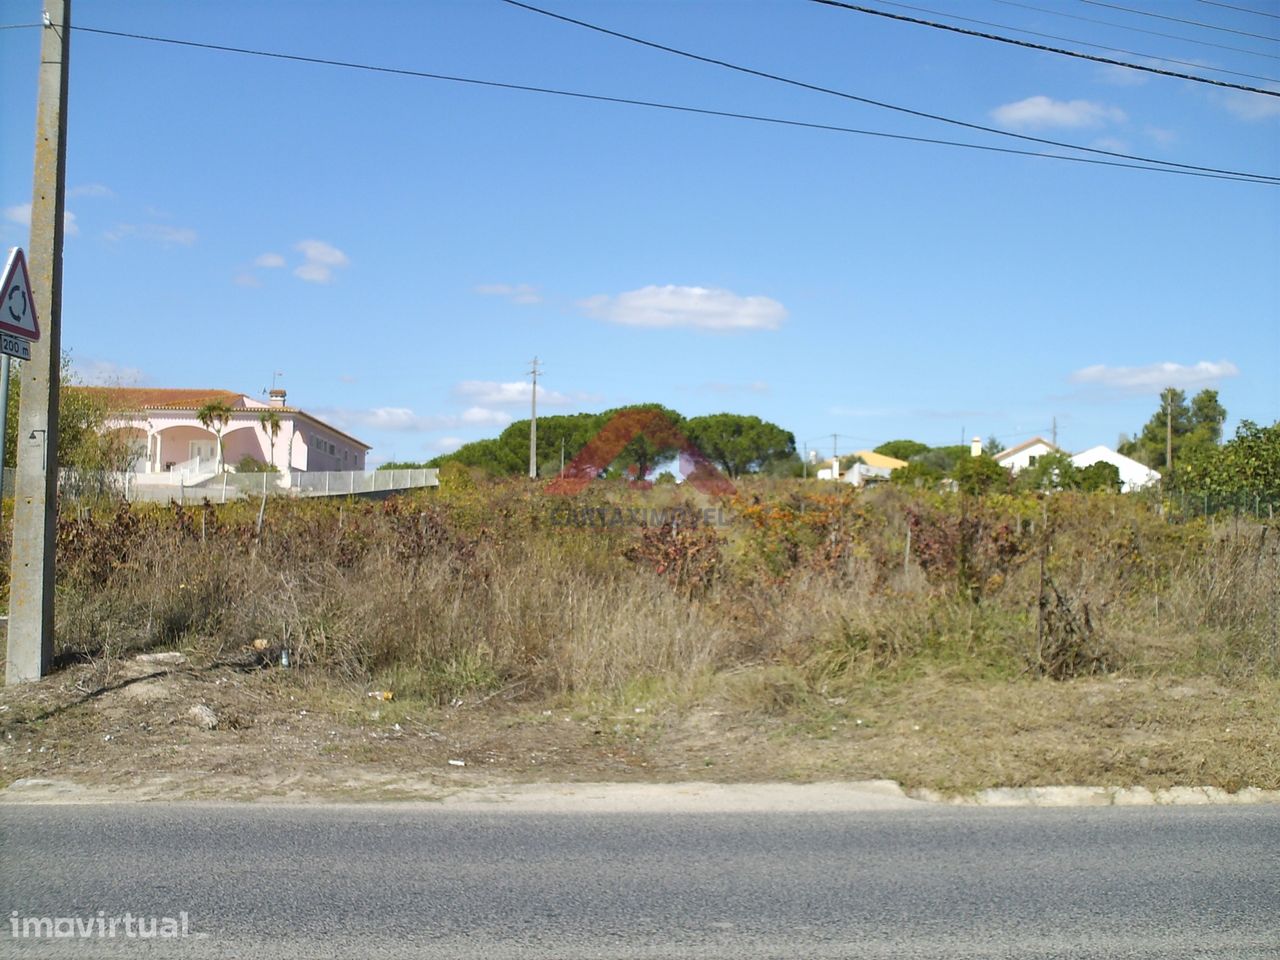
(1168,433)
(533,421)
(36,482)
(1055,431)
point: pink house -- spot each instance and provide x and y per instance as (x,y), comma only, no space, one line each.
(164,431)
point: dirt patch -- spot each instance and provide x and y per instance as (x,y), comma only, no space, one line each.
(125,728)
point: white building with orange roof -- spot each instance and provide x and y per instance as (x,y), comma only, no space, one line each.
(165,433)
(1025,454)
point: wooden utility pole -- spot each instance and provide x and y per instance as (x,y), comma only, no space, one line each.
(1168,433)
(35,517)
(533,422)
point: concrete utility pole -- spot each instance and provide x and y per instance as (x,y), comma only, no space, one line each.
(1168,432)
(4,413)
(533,422)
(36,483)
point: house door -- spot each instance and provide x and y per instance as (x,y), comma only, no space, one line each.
(206,450)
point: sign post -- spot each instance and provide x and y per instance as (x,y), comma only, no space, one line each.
(18,327)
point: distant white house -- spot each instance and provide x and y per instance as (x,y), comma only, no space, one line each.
(1016,459)
(874,466)
(1133,475)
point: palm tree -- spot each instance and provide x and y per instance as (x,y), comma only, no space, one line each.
(270,420)
(215,416)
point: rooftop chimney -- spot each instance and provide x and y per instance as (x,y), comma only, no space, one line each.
(276,397)
(975,447)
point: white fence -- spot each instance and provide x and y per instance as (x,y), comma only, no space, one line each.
(172,485)
(346,482)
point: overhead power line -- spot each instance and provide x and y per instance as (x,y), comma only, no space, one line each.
(1190,23)
(1264,179)
(1105,23)
(1038,46)
(870,102)
(1232,6)
(1113,24)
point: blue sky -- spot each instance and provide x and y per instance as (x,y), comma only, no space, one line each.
(399,248)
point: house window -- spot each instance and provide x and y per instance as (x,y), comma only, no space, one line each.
(1031,461)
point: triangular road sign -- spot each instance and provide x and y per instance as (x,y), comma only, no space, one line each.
(17,306)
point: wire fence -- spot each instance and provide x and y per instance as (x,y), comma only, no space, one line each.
(1186,504)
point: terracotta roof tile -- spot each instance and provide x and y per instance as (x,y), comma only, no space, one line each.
(133,399)
(142,399)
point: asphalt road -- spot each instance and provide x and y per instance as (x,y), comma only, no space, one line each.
(317,882)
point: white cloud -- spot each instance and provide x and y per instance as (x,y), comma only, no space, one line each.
(160,233)
(1251,106)
(313,273)
(517,293)
(105,373)
(91,190)
(508,394)
(1156,376)
(246,279)
(447,444)
(483,415)
(404,419)
(21,214)
(321,260)
(269,260)
(703,308)
(1042,111)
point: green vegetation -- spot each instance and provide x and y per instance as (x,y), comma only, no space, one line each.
(251,464)
(737,444)
(83,442)
(1196,429)
(902,449)
(1247,465)
(215,416)
(505,586)
(740,444)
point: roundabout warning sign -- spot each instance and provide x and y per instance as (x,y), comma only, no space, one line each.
(17,306)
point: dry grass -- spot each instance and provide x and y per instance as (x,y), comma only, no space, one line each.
(805,614)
